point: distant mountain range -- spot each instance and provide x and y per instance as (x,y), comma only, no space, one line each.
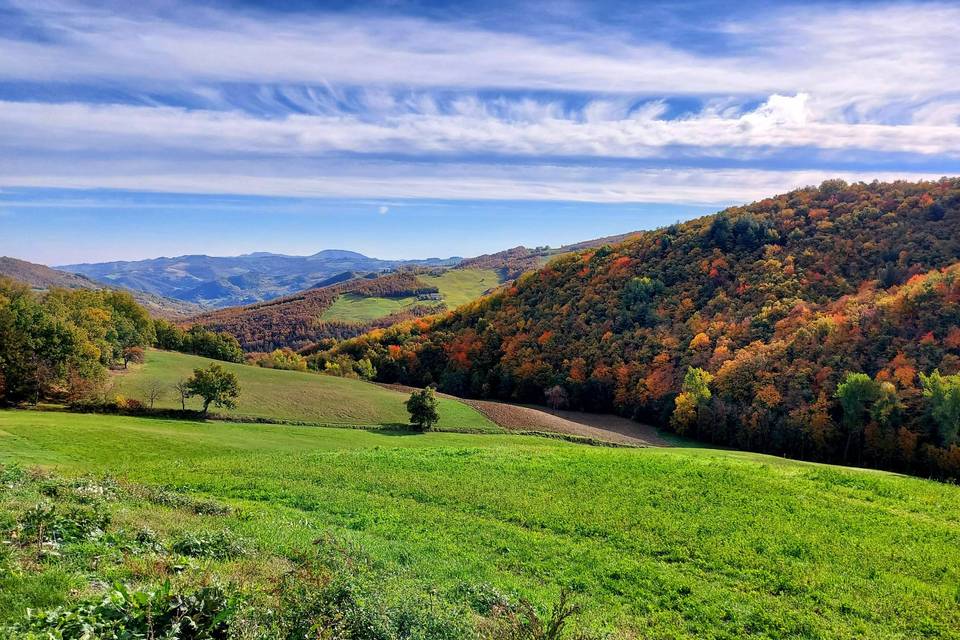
(246,279)
(41,277)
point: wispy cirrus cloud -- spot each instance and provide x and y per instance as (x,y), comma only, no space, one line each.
(406,105)
(860,50)
(468,126)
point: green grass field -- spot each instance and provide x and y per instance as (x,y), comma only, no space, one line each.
(460,286)
(292,395)
(456,287)
(663,543)
(353,308)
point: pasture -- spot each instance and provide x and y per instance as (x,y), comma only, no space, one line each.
(290,395)
(657,543)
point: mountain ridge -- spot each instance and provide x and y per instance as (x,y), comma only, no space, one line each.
(225,281)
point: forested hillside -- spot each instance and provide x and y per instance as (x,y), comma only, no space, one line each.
(60,344)
(294,321)
(739,328)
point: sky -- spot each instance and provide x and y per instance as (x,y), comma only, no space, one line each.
(426,129)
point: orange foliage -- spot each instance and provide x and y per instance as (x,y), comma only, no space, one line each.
(700,341)
(768,395)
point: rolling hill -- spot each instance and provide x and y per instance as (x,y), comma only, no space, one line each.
(775,302)
(291,396)
(41,277)
(239,280)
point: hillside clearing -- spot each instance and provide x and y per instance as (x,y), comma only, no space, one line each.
(291,395)
(460,286)
(354,308)
(605,427)
(456,287)
(671,543)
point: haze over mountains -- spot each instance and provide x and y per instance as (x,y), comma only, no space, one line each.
(228,281)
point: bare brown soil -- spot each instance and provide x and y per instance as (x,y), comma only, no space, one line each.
(604,427)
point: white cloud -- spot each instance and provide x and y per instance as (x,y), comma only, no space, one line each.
(853,54)
(449,181)
(523,128)
(383,210)
(335,88)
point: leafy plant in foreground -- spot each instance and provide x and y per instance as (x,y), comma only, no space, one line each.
(128,615)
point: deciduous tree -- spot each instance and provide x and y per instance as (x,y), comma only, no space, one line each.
(216,386)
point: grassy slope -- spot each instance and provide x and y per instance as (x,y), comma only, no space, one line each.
(456,286)
(681,543)
(460,286)
(353,308)
(290,395)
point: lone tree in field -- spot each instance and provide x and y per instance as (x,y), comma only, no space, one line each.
(215,385)
(422,406)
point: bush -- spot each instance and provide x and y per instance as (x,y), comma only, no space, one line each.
(45,523)
(522,622)
(336,594)
(219,545)
(125,615)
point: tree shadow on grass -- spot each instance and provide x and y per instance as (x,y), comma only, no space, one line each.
(399,429)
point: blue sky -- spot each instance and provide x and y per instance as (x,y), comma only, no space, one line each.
(415,129)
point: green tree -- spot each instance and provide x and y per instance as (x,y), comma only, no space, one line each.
(887,407)
(168,335)
(855,393)
(943,394)
(215,385)
(695,393)
(422,406)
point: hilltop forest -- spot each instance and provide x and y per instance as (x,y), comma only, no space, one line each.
(823,324)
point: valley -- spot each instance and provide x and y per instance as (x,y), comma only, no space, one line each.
(638,438)
(479,321)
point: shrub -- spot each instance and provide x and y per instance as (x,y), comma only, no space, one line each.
(334,591)
(219,545)
(46,523)
(522,622)
(125,615)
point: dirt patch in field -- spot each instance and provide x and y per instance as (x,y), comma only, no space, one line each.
(605,427)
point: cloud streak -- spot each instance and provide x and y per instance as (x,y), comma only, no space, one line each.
(406,106)
(858,51)
(468,126)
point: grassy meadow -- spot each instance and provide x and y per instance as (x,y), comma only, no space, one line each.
(456,287)
(657,543)
(350,307)
(291,395)
(460,286)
